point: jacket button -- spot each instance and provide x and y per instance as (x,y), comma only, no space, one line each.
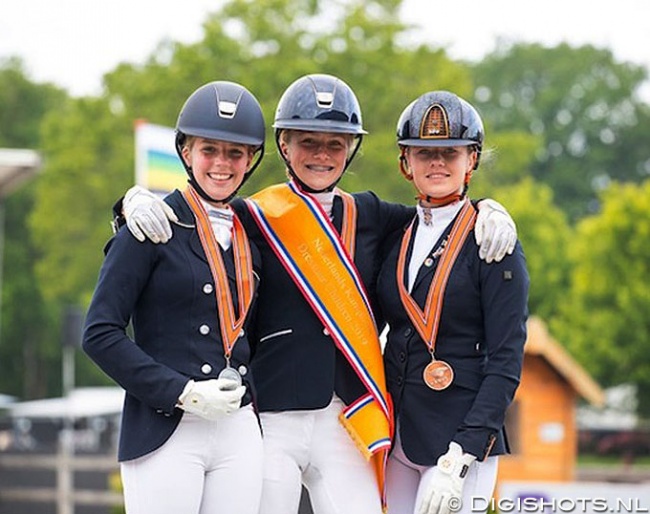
(204,330)
(206,369)
(408,332)
(326,332)
(242,370)
(402,356)
(207,288)
(242,333)
(400,381)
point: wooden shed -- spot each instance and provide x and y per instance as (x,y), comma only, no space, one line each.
(541,422)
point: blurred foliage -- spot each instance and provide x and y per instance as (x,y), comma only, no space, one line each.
(605,320)
(581,103)
(566,151)
(23,105)
(27,342)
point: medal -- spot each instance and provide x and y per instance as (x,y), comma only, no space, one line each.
(231,318)
(438,375)
(231,374)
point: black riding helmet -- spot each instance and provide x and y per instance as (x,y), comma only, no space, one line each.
(441,118)
(223,111)
(319,103)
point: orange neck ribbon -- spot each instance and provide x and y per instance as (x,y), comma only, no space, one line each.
(230,324)
(427,322)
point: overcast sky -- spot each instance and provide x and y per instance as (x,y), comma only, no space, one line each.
(73,42)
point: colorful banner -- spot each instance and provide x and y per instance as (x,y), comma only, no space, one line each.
(157,165)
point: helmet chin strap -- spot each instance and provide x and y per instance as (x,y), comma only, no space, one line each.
(445,200)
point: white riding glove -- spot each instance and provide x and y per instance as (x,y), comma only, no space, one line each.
(147,215)
(444,493)
(212,398)
(495,231)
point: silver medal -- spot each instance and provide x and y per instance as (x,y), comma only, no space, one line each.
(231,374)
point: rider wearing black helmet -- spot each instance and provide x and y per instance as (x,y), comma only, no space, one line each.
(457,325)
(222,111)
(190,440)
(319,103)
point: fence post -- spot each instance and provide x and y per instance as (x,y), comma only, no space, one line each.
(71,339)
(64,472)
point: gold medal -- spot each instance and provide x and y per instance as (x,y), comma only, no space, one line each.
(438,375)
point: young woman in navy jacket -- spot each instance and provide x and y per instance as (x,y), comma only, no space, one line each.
(454,351)
(190,441)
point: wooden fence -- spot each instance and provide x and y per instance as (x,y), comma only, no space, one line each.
(62,494)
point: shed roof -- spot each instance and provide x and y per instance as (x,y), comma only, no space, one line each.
(540,342)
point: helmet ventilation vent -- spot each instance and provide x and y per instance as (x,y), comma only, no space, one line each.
(324,99)
(435,124)
(227,109)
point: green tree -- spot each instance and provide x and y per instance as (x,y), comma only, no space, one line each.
(26,328)
(23,104)
(88,149)
(88,142)
(605,318)
(582,103)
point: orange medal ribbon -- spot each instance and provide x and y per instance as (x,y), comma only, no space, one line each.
(348,232)
(438,374)
(230,324)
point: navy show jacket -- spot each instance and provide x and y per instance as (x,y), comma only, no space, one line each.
(296,363)
(168,292)
(481,335)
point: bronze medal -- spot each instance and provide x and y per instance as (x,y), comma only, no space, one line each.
(438,375)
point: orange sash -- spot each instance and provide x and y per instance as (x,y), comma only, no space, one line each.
(318,260)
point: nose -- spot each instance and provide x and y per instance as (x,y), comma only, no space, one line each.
(437,155)
(320,149)
(221,157)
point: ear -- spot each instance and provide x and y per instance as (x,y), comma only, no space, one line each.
(404,167)
(284,148)
(473,158)
(185,151)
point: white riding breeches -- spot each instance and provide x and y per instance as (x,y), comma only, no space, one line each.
(205,467)
(406,482)
(312,448)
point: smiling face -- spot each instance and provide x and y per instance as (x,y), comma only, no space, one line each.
(439,171)
(317,158)
(218,166)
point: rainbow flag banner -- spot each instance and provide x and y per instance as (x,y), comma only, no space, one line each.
(157,166)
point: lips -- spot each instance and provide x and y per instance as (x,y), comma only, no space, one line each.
(220,176)
(319,168)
